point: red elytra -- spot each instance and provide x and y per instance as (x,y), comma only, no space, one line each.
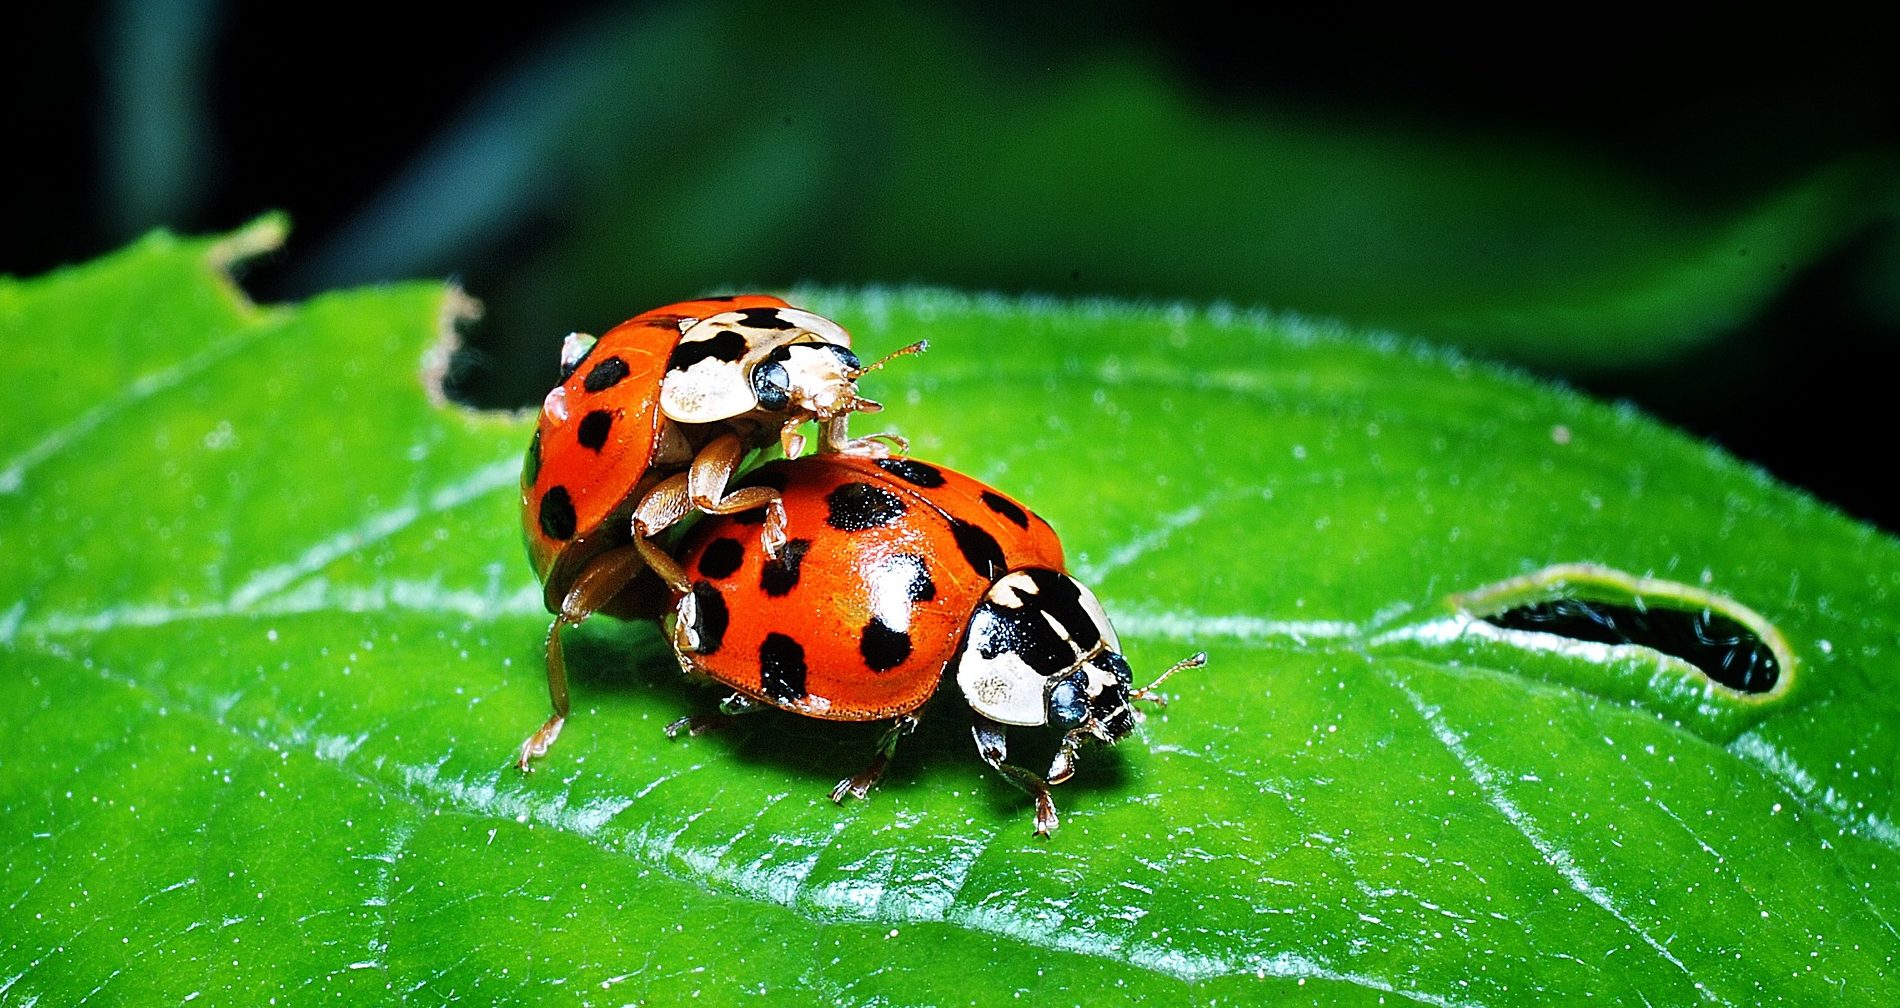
(898,572)
(887,560)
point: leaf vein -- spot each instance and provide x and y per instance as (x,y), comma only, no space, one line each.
(1560,860)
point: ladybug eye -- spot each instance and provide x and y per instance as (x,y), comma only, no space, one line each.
(772,385)
(1068,700)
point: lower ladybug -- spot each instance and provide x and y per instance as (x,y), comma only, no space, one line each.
(905,571)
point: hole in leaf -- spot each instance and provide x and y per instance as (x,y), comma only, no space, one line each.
(1722,648)
(1742,654)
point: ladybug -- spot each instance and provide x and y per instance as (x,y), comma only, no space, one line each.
(902,572)
(649,424)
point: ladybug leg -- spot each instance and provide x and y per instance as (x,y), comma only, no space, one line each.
(1063,766)
(730,710)
(702,487)
(712,471)
(598,582)
(790,441)
(871,446)
(833,417)
(659,510)
(992,743)
(859,785)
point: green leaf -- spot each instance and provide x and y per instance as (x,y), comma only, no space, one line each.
(269,642)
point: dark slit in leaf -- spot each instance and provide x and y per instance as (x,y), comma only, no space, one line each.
(1722,648)
(1739,653)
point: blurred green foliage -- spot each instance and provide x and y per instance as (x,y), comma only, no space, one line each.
(673,149)
(1701,223)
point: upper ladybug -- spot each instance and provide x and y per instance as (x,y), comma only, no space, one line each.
(901,572)
(649,424)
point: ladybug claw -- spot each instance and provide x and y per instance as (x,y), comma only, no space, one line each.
(730,710)
(790,441)
(774,537)
(1046,819)
(538,744)
(853,787)
(697,724)
(859,785)
(876,446)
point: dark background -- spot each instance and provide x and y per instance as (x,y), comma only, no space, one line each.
(198,116)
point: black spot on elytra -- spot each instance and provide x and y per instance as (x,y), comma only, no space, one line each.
(727,346)
(912,471)
(557,513)
(606,375)
(531,465)
(908,571)
(855,507)
(979,550)
(756,516)
(780,576)
(1007,508)
(782,668)
(721,558)
(592,432)
(766,318)
(711,617)
(882,647)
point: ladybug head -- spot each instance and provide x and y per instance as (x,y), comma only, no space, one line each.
(771,362)
(768,360)
(815,381)
(1096,697)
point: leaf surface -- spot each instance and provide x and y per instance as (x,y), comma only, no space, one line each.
(269,641)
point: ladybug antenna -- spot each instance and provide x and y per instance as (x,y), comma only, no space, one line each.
(1195,660)
(918,347)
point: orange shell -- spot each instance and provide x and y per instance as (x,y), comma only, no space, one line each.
(855,602)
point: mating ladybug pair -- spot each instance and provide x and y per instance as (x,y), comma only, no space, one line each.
(843,585)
